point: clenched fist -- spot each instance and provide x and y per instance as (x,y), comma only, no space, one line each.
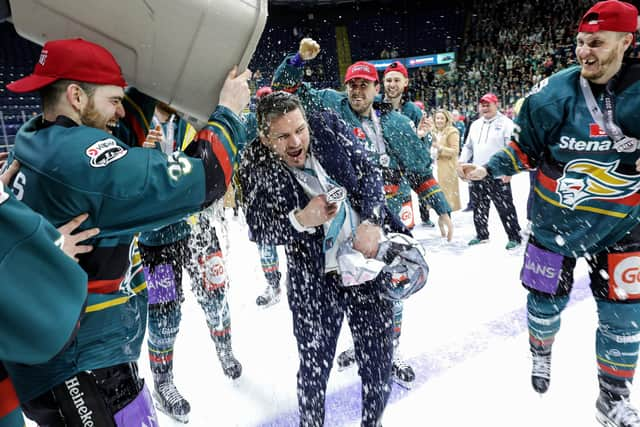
(309,49)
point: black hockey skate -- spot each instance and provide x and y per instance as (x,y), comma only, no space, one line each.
(540,371)
(269,297)
(402,373)
(168,400)
(230,365)
(346,359)
(616,413)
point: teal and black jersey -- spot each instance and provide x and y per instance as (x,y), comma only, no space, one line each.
(586,192)
(44,290)
(43,295)
(68,169)
(408,155)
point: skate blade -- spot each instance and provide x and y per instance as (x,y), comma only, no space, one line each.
(404,384)
(184,419)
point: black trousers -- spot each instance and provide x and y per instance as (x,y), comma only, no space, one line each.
(494,190)
(318,310)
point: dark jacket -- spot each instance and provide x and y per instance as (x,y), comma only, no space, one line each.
(271,192)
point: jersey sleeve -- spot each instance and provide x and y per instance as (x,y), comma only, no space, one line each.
(288,78)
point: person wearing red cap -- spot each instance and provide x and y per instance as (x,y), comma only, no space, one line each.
(579,128)
(396,84)
(390,139)
(82,155)
(489,134)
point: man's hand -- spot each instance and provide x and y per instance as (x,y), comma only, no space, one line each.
(506,179)
(11,171)
(468,171)
(425,126)
(317,212)
(638,165)
(367,239)
(70,245)
(446,226)
(235,93)
(309,49)
(154,136)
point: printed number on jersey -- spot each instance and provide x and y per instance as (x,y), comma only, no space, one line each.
(179,165)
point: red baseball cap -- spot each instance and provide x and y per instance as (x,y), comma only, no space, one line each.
(361,70)
(263,91)
(397,66)
(610,15)
(489,98)
(71,59)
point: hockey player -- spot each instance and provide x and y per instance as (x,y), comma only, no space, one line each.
(389,137)
(192,245)
(268,253)
(82,155)
(580,129)
(44,289)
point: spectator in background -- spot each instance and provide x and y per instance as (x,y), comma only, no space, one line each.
(446,143)
(488,135)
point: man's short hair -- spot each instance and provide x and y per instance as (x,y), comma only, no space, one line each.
(275,105)
(50,94)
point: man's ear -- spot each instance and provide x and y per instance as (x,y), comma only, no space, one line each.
(264,140)
(75,96)
(377,87)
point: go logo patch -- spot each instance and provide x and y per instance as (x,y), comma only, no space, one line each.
(624,276)
(105,151)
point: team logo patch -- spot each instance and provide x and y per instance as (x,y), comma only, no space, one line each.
(596,130)
(624,276)
(584,180)
(359,133)
(103,152)
(43,57)
(214,274)
(406,214)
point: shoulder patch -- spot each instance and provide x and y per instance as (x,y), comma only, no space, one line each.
(105,151)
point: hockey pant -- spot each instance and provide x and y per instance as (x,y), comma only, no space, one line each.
(108,397)
(613,275)
(318,310)
(163,265)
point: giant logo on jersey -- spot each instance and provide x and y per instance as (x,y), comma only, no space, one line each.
(584,180)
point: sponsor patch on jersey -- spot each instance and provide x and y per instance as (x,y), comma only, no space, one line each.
(4,196)
(624,276)
(105,151)
(596,130)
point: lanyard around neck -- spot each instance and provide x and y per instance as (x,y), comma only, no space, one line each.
(606,121)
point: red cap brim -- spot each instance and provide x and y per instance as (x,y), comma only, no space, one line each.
(30,83)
